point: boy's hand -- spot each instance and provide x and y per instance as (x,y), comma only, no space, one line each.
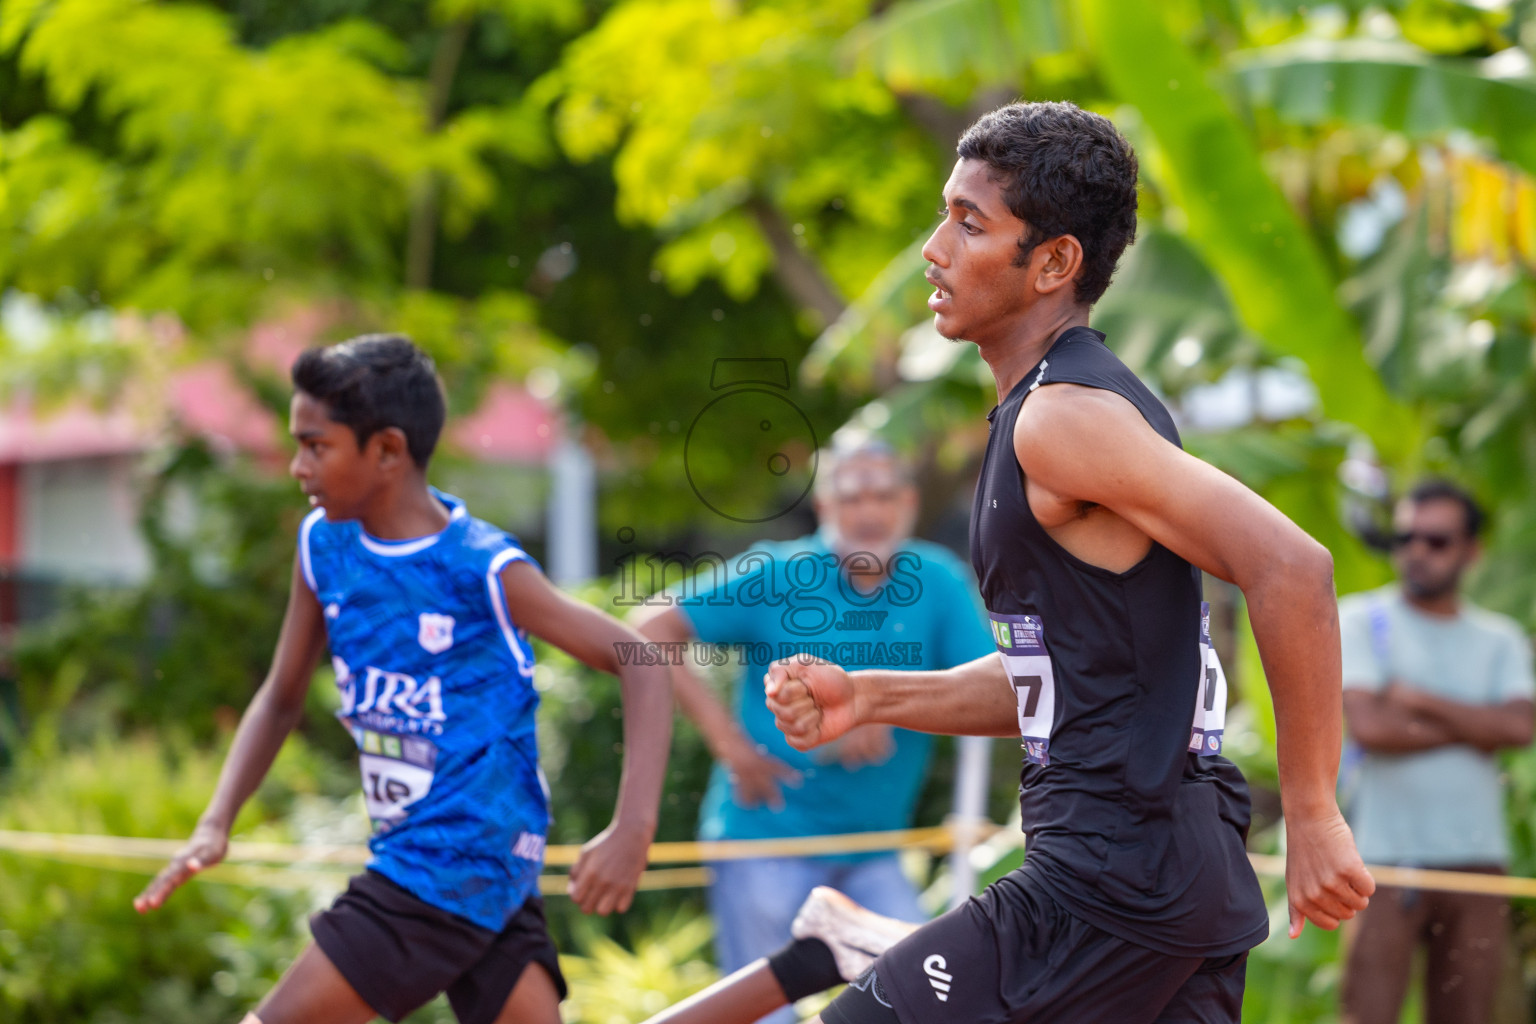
(811,700)
(605,875)
(208,845)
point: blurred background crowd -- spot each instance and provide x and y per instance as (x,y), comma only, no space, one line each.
(579,208)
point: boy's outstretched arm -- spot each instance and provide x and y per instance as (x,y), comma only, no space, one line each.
(604,877)
(271,716)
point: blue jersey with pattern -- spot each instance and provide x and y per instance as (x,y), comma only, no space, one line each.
(436,686)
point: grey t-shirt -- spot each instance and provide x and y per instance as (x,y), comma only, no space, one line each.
(1443,806)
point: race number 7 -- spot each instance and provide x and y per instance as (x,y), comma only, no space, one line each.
(1030,701)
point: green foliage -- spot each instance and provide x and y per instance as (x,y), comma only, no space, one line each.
(1393,86)
(71,945)
(189,647)
(727,103)
(1478,399)
(613,985)
(1238,218)
(221,169)
(949,48)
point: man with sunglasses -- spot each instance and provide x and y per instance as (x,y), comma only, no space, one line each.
(1434,687)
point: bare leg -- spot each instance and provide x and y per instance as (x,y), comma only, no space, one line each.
(853,935)
(312,992)
(750,993)
(533,1000)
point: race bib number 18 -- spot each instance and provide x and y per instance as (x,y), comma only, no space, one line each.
(397,772)
(1021,644)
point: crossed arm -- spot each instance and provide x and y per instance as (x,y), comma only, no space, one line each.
(1083,448)
(1401,719)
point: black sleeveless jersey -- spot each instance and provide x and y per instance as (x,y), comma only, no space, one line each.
(1127,827)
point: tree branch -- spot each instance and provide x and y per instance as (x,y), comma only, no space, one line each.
(798,272)
(944,123)
(421,234)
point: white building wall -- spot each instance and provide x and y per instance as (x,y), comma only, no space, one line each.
(79,521)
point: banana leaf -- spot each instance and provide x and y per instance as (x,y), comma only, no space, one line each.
(1398,87)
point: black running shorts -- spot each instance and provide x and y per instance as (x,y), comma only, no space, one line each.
(1013,955)
(399,952)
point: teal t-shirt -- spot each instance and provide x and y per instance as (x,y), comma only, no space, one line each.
(1439,807)
(778,599)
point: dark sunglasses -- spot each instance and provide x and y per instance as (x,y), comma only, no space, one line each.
(1433,541)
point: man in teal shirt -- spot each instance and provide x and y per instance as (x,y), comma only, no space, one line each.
(860,592)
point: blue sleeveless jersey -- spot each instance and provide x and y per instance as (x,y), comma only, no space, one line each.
(437,689)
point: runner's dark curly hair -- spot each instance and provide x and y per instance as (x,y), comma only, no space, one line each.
(376,381)
(1064,171)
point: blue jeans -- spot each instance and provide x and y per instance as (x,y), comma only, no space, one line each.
(753,902)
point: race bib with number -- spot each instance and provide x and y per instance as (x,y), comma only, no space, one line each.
(1021,644)
(1211,698)
(397,771)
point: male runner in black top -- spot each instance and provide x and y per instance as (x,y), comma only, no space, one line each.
(1136,902)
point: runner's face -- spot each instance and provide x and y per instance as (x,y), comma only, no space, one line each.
(333,472)
(978,292)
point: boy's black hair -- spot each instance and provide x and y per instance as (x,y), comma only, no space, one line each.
(1443,490)
(1064,172)
(376,381)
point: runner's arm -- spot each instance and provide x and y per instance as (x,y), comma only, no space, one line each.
(1093,446)
(272,714)
(815,701)
(605,876)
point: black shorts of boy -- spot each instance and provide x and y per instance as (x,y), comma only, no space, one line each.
(399,952)
(1015,955)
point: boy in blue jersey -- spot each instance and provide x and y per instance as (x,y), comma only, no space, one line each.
(426,612)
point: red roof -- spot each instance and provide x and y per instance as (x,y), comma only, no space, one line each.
(73,432)
(206,400)
(510,426)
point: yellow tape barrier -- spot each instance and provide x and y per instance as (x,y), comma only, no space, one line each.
(300,866)
(290,865)
(1422,878)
